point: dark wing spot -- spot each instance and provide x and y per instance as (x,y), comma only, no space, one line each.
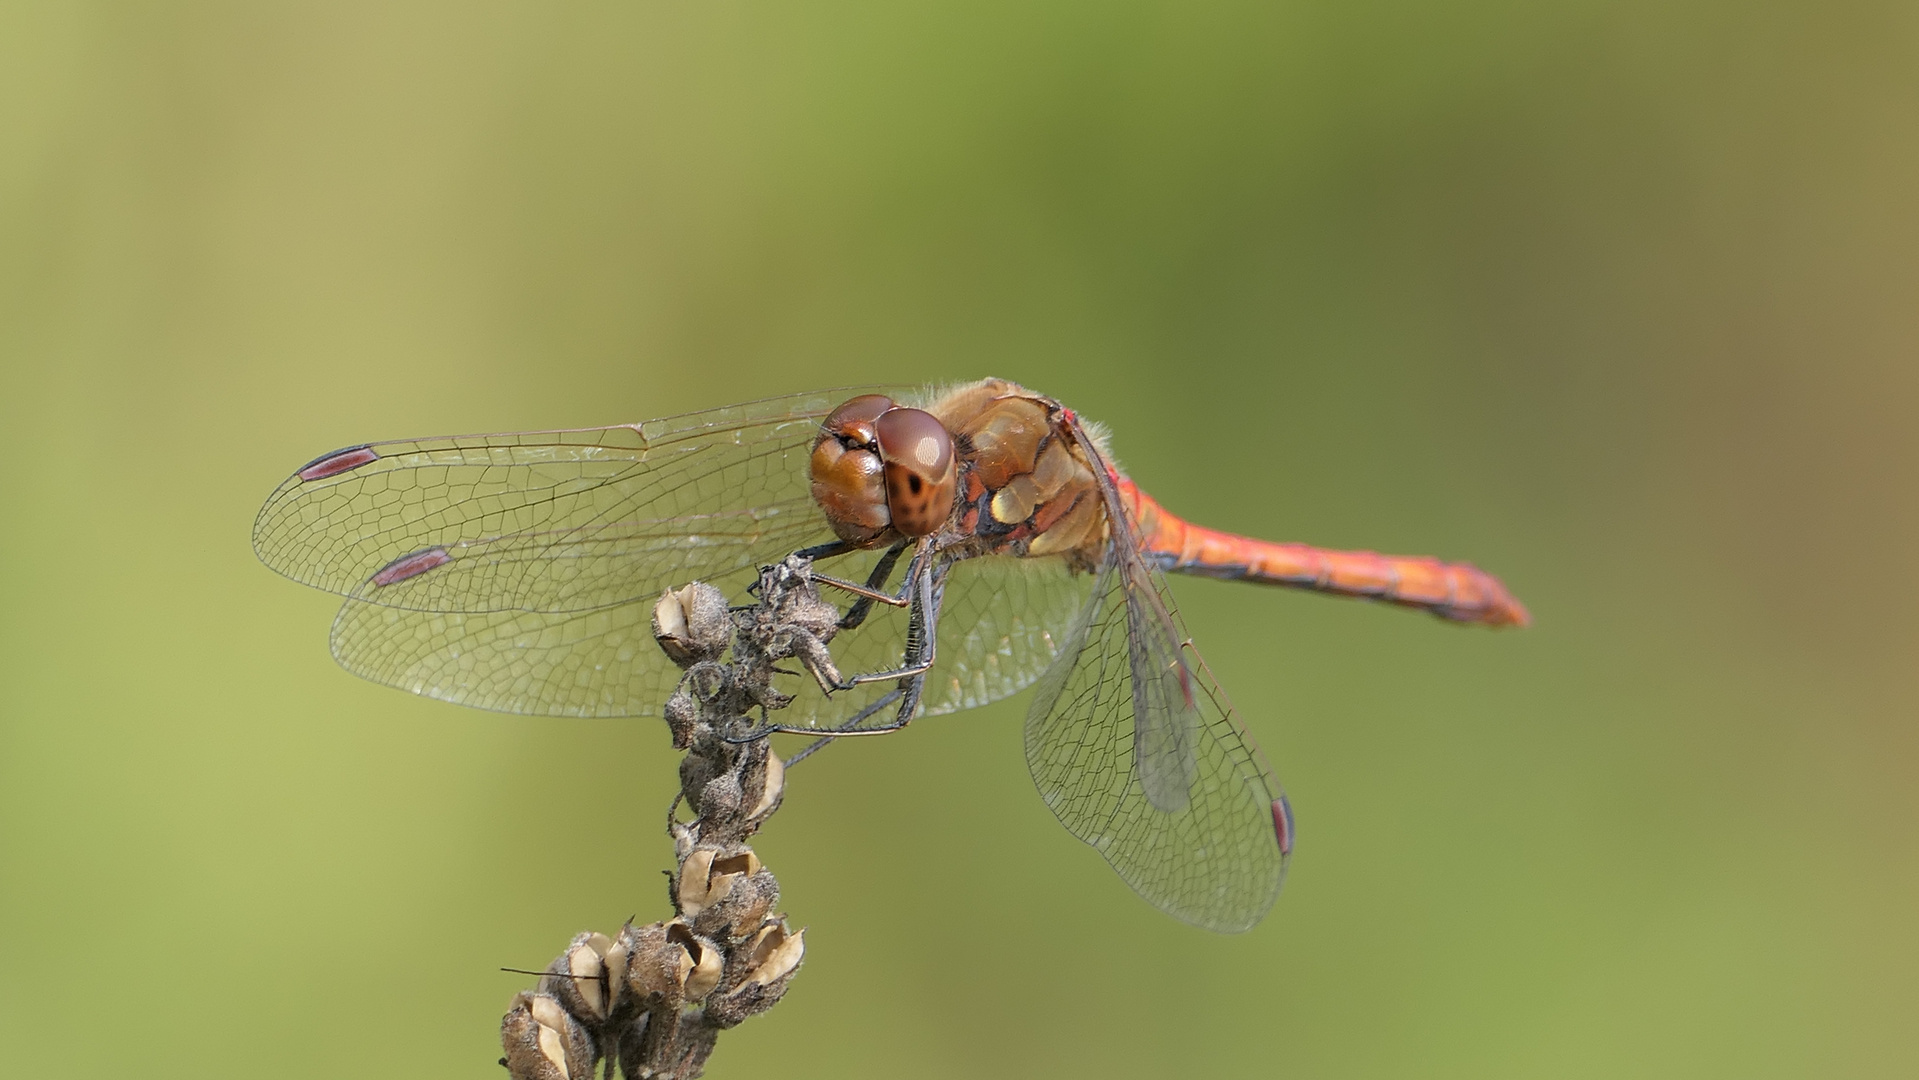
(337,462)
(407,566)
(1283,824)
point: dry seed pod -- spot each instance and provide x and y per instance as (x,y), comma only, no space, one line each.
(588,977)
(691,624)
(543,1043)
(670,964)
(619,955)
(734,916)
(698,770)
(771,958)
(716,799)
(773,789)
(706,877)
(774,954)
(694,886)
(707,963)
(656,967)
(803,608)
(681,713)
(631,995)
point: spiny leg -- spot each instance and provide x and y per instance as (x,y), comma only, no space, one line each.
(922,643)
(830,549)
(817,658)
(827,734)
(836,548)
(922,647)
(875,581)
(913,676)
(810,749)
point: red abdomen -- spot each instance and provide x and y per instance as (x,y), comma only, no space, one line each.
(1451,590)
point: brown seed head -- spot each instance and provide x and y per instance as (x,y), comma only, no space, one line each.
(583,979)
(707,876)
(703,966)
(691,624)
(542,1042)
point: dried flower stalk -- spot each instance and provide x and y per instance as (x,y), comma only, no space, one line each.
(651,1000)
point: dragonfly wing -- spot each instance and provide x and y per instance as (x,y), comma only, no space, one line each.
(1002,621)
(1140,755)
(1166,713)
(557,521)
(601,663)
(597,661)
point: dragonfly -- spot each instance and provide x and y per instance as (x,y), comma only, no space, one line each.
(985,540)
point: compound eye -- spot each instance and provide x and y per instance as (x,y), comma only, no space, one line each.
(920,470)
(853,422)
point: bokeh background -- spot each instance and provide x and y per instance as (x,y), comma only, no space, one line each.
(1614,297)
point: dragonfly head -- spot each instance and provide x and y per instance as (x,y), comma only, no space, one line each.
(877,466)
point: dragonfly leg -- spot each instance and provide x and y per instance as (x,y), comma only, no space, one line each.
(907,695)
(900,720)
(926,585)
(918,575)
(867,595)
(875,581)
(921,649)
(829,734)
(818,660)
(828,550)
(815,553)
(922,639)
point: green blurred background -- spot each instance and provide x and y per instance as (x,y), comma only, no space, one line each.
(1614,298)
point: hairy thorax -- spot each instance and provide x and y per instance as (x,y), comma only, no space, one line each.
(1026,486)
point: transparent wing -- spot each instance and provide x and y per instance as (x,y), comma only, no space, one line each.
(550,522)
(1139,753)
(1003,621)
(601,662)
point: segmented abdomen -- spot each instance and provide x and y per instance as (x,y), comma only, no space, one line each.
(1451,590)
